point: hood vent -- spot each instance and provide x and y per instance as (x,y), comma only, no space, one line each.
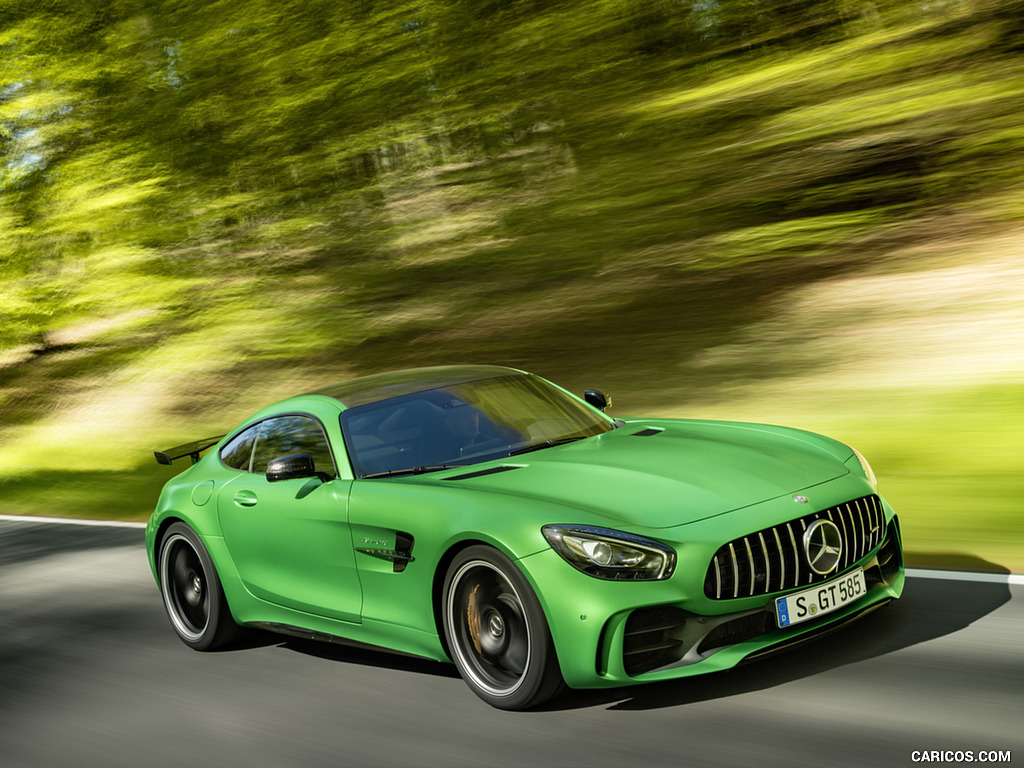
(482,472)
(648,432)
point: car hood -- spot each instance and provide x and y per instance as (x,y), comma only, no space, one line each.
(663,473)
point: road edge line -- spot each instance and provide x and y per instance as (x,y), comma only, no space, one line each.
(988,578)
(71,521)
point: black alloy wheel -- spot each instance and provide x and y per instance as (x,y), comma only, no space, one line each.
(192,593)
(496,631)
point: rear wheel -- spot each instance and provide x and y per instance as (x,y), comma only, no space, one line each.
(496,631)
(193,596)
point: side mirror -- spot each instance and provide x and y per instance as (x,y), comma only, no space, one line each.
(598,399)
(290,467)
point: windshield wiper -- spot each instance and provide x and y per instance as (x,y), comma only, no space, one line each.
(417,470)
(545,444)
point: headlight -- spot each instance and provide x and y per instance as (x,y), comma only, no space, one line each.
(613,555)
(867,468)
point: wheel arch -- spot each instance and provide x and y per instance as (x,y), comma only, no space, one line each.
(437,587)
(195,600)
(224,567)
(158,539)
(441,572)
(532,678)
(161,533)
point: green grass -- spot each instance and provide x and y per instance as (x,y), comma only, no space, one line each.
(98,495)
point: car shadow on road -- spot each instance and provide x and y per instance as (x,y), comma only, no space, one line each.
(368,657)
(928,610)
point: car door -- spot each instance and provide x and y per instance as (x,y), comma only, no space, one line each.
(290,540)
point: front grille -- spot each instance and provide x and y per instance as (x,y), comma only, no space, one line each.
(773,559)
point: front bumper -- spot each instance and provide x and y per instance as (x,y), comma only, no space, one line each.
(663,639)
(615,633)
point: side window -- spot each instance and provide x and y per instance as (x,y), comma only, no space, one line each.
(285,435)
(237,453)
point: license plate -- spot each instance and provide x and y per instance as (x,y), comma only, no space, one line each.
(819,600)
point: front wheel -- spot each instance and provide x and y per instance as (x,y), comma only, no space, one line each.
(192,593)
(496,631)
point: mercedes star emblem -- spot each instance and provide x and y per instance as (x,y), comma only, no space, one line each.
(823,544)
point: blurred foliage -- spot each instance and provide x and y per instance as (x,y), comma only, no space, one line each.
(207,205)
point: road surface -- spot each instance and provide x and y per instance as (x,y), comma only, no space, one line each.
(91,674)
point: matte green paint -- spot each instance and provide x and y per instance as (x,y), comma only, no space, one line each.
(287,552)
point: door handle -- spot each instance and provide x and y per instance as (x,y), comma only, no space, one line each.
(246,499)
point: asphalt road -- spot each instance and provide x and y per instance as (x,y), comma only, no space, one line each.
(92,675)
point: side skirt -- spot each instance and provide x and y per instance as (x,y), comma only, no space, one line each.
(323,637)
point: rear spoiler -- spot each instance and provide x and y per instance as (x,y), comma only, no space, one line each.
(188,449)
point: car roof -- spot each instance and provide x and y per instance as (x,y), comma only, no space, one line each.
(383,386)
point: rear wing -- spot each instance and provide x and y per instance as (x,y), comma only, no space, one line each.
(188,449)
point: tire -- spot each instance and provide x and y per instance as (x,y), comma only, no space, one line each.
(192,593)
(496,631)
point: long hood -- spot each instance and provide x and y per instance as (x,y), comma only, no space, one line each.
(663,473)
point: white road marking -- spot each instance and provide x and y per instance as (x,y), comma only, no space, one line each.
(989,578)
(71,521)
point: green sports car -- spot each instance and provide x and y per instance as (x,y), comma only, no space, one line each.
(484,516)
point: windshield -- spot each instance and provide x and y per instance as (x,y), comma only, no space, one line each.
(464,424)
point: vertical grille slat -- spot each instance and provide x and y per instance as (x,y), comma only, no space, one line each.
(750,560)
(876,522)
(773,559)
(767,562)
(863,528)
(782,560)
(850,533)
(735,572)
(846,527)
(831,517)
(796,556)
(852,540)
(803,532)
(868,530)
(842,530)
